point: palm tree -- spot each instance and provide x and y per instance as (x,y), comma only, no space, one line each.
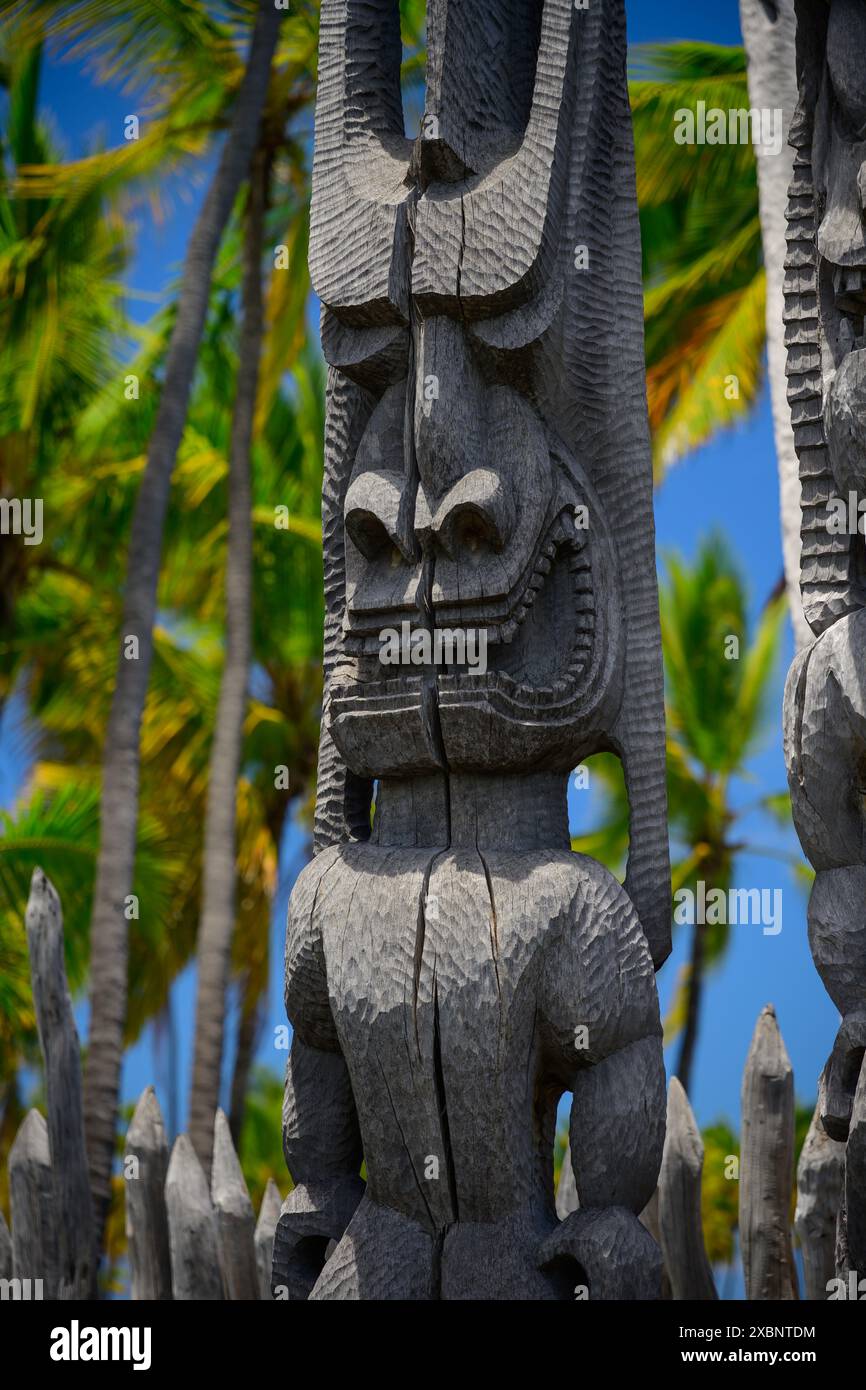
(121,760)
(707,238)
(715,709)
(61,313)
(218,907)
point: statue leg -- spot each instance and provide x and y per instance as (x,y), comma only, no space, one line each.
(617,1135)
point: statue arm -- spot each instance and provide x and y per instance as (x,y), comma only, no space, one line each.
(321,1137)
(605,1043)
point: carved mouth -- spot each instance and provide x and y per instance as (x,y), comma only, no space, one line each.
(843,306)
(545,648)
(538,649)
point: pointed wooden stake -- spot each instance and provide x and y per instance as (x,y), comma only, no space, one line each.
(269,1215)
(767,1165)
(819,1189)
(567,1199)
(192,1227)
(58,1038)
(5,1249)
(235,1219)
(680,1225)
(145,1165)
(855,1179)
(31,1197)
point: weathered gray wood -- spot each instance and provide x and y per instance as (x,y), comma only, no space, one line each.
(481,296)
(58,1037)
(192,1227)
(234,1214)
(767,1165)
(35,1252)
(855,1180)
(266,1225)
(5,1249)
(825,696)
(145,1167)
(819,1188)
(649,1218)
(769,38)
(567,1199)
(679,1211)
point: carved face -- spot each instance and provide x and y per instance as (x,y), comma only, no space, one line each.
(840,144)
(464,513)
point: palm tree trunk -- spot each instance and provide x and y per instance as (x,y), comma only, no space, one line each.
(120,774)
(769,34)
(218,905)
(694,996)
(247,1034)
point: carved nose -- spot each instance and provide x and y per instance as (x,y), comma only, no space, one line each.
(374,512)
(449,408)
(377,510)
(473,518)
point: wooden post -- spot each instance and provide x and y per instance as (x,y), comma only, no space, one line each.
(767,1165)
(145,1166)
(192,1227)
(825,694)
(567,1199)
(491,620)
(679,1213)
(819,1189)
(234,1214)
(34,1215)
(855,1180)
(58,1038)
(269,1215)
(5,1249)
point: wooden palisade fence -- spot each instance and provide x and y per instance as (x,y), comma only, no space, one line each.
(191,1240)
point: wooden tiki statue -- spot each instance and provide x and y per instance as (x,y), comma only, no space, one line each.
(825,698)
(488,497)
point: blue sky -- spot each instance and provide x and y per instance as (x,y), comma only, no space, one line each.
(729,486)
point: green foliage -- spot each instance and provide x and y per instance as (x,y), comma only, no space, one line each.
(716,711)
(704,282)
(720,1192)
(260,1150)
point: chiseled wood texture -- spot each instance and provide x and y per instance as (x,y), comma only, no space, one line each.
(192,1227)
(145,1168)
(5,1249)
(453,969)
(58,1038)
(767,1165)
(567,1199)
(35,1245)
(266,1225)
(825,712)
(819,1188)
(855,1180)
(679,1202)
(235,1219)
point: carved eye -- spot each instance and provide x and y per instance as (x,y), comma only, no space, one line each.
(846,45)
